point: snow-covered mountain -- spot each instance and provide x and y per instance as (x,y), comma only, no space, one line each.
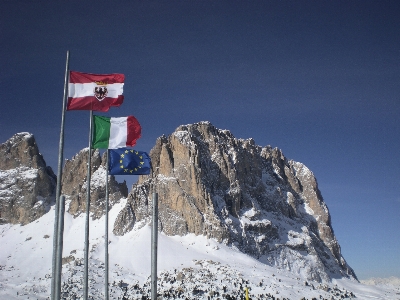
(26,183)
(243,195)
(232,215)
(394,281)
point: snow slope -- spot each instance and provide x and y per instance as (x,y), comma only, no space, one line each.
(190,266)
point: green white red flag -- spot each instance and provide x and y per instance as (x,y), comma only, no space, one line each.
(96,92)
(113,133)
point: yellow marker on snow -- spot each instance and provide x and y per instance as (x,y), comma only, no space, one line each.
(247,293)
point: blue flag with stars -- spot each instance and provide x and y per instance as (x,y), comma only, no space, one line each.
(127,161)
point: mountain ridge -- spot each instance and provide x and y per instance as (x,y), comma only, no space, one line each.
(210,183)
(265,207)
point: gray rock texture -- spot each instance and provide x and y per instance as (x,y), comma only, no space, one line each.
(74,184)
(251,197)
(208,182)
(27,185)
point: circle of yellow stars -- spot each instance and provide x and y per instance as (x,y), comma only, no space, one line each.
(134,169)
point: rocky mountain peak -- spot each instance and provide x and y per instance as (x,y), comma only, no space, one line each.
(251,197)
(21,151)
(74,184)
(209,183)
(26,183)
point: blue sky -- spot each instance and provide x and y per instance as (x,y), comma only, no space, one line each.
(318,79)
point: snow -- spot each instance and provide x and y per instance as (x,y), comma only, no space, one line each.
(26,254)
(301,170)
(308,209)
(382,281)
(98,178)
(162,178)
(19,136)
(10,176)
(277,171)
(185,138)
(194,266)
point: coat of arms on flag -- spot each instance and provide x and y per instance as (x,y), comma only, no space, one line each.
(96,92)
(100,92)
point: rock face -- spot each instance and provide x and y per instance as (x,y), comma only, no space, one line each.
(74,183)
(27,185)
(208,183)
(253,198)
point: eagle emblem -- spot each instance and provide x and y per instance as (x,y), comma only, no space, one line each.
(100,92)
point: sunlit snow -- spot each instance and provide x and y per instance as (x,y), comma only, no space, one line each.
(184,264)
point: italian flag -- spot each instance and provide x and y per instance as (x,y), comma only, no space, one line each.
(94,91)
(113,133)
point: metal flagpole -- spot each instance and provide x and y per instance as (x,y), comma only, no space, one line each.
(106,236)
(154,245)
(58,188)
(86,256)
(60,243)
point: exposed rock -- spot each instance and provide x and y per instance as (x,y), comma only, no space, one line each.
(21,151)
(74,184)
(208,183)
(126,218)
(26,184)
(67,259)
(211,183)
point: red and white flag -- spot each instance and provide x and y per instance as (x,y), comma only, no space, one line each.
(94,91)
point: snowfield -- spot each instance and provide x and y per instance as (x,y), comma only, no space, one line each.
(189,267)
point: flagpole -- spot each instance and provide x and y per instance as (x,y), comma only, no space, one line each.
(86,255)
(58,188)
(106,235)
(154,246)
(60,242)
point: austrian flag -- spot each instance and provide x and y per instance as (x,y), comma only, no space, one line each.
(114,133)
(94,91)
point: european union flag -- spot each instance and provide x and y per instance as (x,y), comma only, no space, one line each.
(127,161)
